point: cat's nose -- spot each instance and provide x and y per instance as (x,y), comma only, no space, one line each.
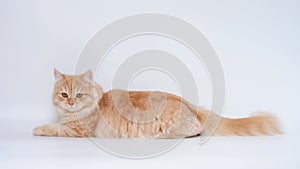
(70,102)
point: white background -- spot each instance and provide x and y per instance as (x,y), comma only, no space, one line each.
(257,43)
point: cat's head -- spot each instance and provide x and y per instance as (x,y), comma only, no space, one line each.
(75,93)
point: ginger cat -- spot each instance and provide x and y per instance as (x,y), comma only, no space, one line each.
(85,111)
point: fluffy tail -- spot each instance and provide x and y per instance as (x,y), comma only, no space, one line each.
(259,124)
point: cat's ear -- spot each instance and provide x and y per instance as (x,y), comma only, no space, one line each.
(88,76)
(58,76)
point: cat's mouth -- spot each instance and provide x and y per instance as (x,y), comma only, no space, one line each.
(70,108)
(74,108)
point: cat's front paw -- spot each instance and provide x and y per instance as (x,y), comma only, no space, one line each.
(40,130)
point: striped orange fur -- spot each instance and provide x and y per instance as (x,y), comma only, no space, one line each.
(85,111)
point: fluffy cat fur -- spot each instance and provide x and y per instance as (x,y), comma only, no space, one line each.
(85,111)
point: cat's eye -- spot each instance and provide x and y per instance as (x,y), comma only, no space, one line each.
(64,95)
(79,95)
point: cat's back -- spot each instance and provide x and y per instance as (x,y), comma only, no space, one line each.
(140,100)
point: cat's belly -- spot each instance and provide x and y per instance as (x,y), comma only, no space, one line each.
(157,129)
